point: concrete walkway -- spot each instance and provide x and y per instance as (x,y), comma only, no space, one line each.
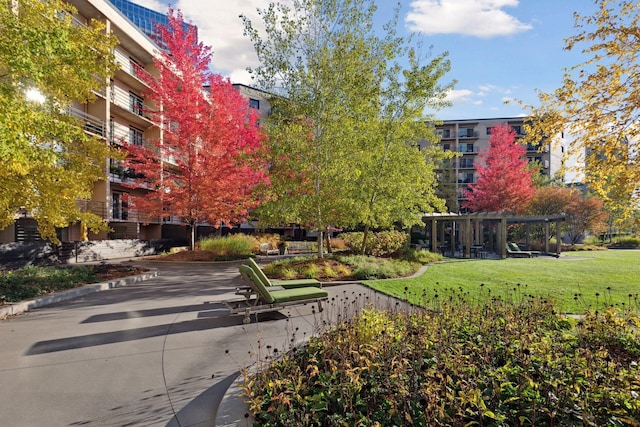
(162,352)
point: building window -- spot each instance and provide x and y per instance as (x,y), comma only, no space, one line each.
(467,133)
(517,130)
(467,148)
(135,136)
(135,104)
(466,163)
(443,133)
(488,131)
(120,206)
(446,147)
(254,103)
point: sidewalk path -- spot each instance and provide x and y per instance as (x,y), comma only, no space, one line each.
(162,352)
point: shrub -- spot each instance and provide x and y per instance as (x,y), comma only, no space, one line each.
(311,271)
(367,267)
(495,364)
(627,242)
(584,247)
(232,246)
(421,256)
(383,243)
(30,282)
(338,244)
(592,241)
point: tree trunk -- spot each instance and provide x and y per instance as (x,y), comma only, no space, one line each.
(365,236)
(329,251)
(193,236)
(320,249)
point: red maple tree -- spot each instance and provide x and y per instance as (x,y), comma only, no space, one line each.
(504,179)
(206,165)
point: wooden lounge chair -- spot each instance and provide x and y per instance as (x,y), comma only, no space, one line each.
(274,298)
(514,251)
(287,284)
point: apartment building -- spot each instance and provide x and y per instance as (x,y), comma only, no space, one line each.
(468,137)
(117,116)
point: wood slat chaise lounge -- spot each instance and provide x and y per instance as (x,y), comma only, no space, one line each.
(288,284)
(274,298)
(514,250)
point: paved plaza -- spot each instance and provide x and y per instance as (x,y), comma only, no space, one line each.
(162,352)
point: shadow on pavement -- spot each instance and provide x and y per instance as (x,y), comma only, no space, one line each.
(200,411)
(210,320)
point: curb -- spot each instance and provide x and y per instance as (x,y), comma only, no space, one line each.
(24,306)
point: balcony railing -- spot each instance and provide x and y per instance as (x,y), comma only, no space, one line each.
(122,134)
(465,165)
(92,124)
(122,214)
(131,67)
(125,214)
(468,149)
(130,102)
(93,206)
(467,134)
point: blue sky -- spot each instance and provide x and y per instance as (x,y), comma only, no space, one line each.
(499,49)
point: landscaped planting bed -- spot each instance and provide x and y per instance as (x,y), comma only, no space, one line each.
(492,364)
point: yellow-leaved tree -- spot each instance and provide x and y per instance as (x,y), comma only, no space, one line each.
(48,60)
(599,105)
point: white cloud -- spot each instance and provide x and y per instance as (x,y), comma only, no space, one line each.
(221,28)
(459,96)
(479,18)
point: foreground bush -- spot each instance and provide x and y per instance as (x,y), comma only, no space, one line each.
(491,365)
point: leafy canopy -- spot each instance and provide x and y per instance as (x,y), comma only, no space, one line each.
(599,104)
(49,162)
(504,179)
(584,214)
(345,116)
(207,163)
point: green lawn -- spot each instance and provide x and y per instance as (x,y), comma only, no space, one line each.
(577,281)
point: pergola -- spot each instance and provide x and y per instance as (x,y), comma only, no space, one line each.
(471,226)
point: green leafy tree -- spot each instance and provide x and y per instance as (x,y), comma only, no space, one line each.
(345,116)
(49,162)
(599,104)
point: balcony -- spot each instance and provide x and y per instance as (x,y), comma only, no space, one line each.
(120,135)
(122,175)
(463,164)
(92,124)
(125,214)
(129,71)
(131,106)
(445,134)
(467,133)
(468,149)
(93,206)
